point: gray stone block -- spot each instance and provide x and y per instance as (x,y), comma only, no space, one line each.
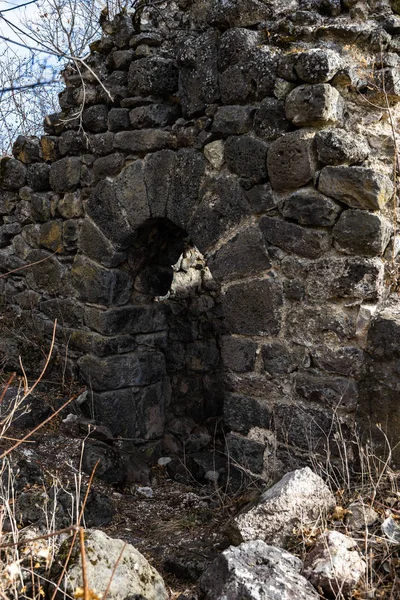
(72,142)
(159,174)
(98,285)
(337,146)
(249,454)
(253,308)
(270,120)
(362,233)
(37,177)
(358,187)
(314,105)
(108,166)
(65,174)
(120,371)
(310,243)
(153,115)
(246,156)
(241,413)
(307,206)
(126,319)
(46,275)
(343,360)
(118,119)
(142,141)
(236,43)
(261,198)
(238,354)
(292,160)
(95,118)
(244,255)
(318,65)
(233,120)
(101,144)
(153,76)
(12,173)
(332,392)
(280,359)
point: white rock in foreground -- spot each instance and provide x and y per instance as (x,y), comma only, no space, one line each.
(255,571)
(334,564)
(298,499)
(133,578)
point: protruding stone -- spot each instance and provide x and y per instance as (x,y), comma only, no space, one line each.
(318,65)
(358,187)
(37,176)
(270,120)
(238,354)
(12,173)
(126,319)
(51,236)
(314,105)
(214,153)
(153,116)
(70,205)
(45,272)
(337,146)
(142,141)
(27,149)
(362,233)
(332,392)
(292,160)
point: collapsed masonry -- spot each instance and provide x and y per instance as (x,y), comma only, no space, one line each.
(214,226)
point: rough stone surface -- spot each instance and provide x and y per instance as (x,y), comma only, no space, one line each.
(309,207)
(362,233)
(337,146)
(335,563)
(300,497)
(293,238)
(292,161)
(134,577)
(314,105)
(255,571)
(317,65)
(358,187)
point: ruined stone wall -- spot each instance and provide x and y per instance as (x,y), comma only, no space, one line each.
(261,135)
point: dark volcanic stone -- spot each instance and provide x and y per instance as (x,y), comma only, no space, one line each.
(238,354)
(98,285)
(12,173)
(107,166)
(109,468)
(65,174)
(362,233)
(314,105)
(336,146)
(317,65)
(95,245)
(310,243)
(292,160)
(253,308)
(233,120)
(307,206)
(246,156)
(118,119)
(153,76)
(154,115)
(270,120)
(37,177)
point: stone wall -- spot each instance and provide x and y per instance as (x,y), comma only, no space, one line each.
(251,145)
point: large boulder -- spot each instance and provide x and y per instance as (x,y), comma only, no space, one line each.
(298,499)
(134,577)
(255,571)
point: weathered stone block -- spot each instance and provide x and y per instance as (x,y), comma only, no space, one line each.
(261,198)
(255,73)
(12,173)
(310,243)
(198,75)
(343,360)
(253,308)
(91,342)
(185,193)
(306,323)
(244,255)
(241,413)
(118,119)
(134,413)
(202,356)
(95,118)
(51,236)
(238,354)
(249,454)
(361,232)
(307,206)
(108,166)
(27,149)
(41,206)
(235,85)
(101,143)
(142,141)
(332,392)
(50,150)
(126,319)
(153,115)
(72,142)
(314,105)
(358,187)
(159,175)
(45,275)
(234,44)
(70,232)
(292,160)
(68,313)
(384,335)
(233,120)
(98,285)
(125,370)
(153,76)
(7,202)
(65,174)
(223,204)
(70,205)
(337,146)
(131,194)
(318,65)
(246,156)
(7,232)
(270,120)
(214,153)
(279,359)
(37,177)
